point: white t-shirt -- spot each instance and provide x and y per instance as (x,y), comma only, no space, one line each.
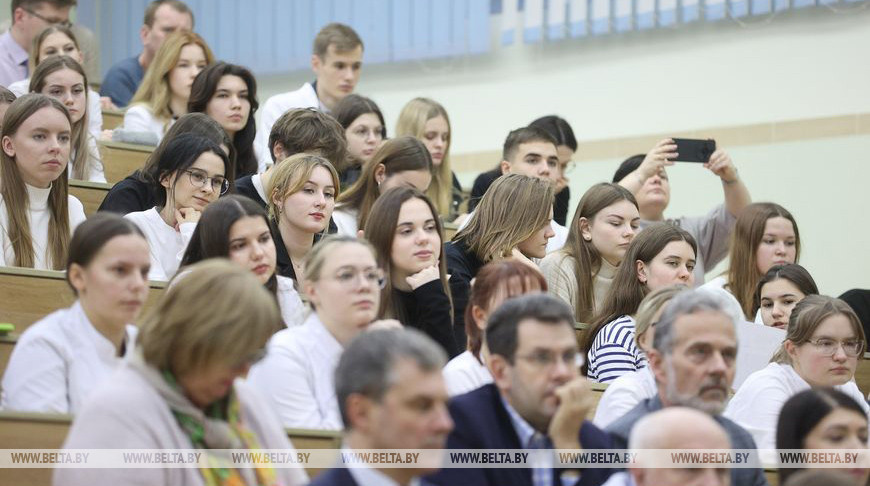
(465,373)
(39,216)
(758,401)
(58,362)
(623,394)
(167,246)
(346,221)
(298,376)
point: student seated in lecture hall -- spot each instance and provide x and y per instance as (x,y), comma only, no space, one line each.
(336,61)
(59,361)
(37,215)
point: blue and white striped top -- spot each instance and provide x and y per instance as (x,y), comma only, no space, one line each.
(613,352)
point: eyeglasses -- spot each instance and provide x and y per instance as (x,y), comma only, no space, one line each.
(350,276)
(829,347)
(546,359)
(64,23)
(199,178)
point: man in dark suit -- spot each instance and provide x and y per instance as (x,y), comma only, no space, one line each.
(538,399)
(694,358)
(391,396)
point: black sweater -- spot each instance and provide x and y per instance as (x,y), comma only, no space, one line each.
(427,309)
(462,267)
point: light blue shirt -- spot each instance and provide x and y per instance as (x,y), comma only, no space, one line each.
(13,60)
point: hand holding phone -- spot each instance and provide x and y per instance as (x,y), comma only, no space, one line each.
(694,150)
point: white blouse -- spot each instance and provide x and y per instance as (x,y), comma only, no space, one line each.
(346,221)
(465,373)
(292,308)
(623,394)
(758,401)
(297,374)
(167,246)
(58,362)
(139,118)
(39,216)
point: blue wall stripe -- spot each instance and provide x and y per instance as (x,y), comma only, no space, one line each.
(275,36)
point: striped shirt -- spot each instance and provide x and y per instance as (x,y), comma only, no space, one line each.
(613,352)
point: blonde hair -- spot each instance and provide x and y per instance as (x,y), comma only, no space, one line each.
(154,92)
(217,313)
(807,316)
(83,159)
(412,121)
(290,175)
(14,192)
(650,305)
(510,212)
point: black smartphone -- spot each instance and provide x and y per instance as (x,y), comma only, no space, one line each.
(694,150)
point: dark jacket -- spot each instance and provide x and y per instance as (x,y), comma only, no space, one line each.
(481,422)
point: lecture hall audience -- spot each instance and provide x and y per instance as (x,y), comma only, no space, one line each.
(262,319)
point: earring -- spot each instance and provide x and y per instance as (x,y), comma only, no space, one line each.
(587,238)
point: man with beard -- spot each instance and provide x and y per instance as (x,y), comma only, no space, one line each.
(693,359)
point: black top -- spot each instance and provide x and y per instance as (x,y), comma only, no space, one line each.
(245,187)
(462,267)
(485,179)
(128,196)
(283,263)
(427,309)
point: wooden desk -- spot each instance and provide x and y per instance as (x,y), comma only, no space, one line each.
(91,194)
(112,119)
(19,430)
(121,159)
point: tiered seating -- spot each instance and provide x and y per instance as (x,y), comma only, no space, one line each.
(91,194)
(29,295)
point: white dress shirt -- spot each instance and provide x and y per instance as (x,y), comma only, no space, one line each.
(758,401)
(166,245)
(39,216)
(297,374)
(58,362)
(465,373)
(623,394)
(272,109)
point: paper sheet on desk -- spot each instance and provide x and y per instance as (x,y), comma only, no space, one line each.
(756,344)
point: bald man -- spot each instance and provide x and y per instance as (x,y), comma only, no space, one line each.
(675,428)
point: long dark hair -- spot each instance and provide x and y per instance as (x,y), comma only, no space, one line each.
(627,292)
(381,231)
(180,154)
(211,238)
(801,413)
(202,91)
(90,237)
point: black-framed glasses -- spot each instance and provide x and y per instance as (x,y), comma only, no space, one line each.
(829,347)
(199,178)
(65,23)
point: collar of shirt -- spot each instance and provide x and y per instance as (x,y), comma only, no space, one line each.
(320,105)
(19,55)
(524,430)
(365,475)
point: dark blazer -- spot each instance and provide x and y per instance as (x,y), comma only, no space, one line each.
(481,422)
(340,476)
